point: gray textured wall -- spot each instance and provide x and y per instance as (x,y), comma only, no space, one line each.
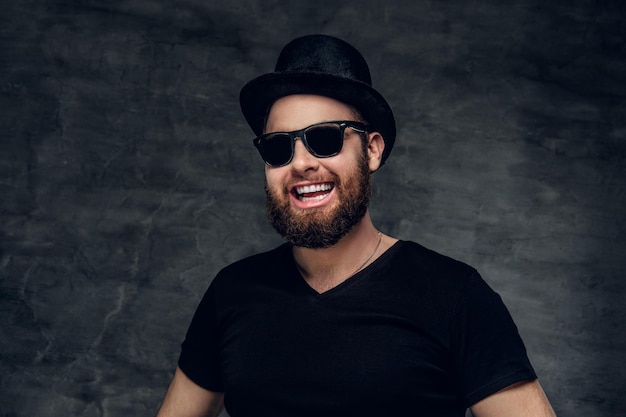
(128,177)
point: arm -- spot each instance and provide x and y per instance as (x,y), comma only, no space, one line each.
(185,398)
(524,399)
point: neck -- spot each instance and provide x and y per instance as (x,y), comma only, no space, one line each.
(326,268)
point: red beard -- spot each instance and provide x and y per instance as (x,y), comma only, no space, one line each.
(318,228)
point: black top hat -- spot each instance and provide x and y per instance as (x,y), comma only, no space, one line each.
(321,65)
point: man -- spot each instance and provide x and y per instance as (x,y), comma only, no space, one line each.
(343,320)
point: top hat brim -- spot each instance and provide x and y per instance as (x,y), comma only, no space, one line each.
(258,95)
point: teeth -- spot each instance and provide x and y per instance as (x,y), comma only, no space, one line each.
(319,197)
(313,188)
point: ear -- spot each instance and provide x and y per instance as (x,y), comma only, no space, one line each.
(375,148)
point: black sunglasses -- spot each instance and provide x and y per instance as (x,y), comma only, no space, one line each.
(322,140)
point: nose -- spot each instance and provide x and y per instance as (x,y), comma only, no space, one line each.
(303,160)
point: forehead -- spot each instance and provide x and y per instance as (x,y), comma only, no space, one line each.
(298,111)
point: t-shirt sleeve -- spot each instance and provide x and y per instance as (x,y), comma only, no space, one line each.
(488,352)
(199,357)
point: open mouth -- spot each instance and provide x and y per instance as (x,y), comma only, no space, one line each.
(313,192)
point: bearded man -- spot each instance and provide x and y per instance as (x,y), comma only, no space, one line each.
(343,320)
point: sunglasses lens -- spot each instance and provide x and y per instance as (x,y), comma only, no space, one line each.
(276,149)
(325,140)
(322,140)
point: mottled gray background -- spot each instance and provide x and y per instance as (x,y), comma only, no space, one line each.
(128,179)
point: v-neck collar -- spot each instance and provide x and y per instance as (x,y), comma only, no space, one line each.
(363,273)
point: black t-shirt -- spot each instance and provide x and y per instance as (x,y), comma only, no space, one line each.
(413,334)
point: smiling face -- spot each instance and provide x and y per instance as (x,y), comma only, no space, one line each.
(313,202)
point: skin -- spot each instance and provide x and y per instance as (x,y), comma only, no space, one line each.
(524,399)
(325,268)
(184,398)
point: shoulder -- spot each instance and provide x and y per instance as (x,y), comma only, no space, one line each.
(438,275)
(259,259)
(421,260)
(253,267)
(409,270)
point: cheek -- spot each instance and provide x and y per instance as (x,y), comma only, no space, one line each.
(348,165)
(274,178)
(270,175)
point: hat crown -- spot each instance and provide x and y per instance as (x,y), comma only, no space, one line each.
(322,54)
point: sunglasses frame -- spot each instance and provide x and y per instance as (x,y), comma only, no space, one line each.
(358,127)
